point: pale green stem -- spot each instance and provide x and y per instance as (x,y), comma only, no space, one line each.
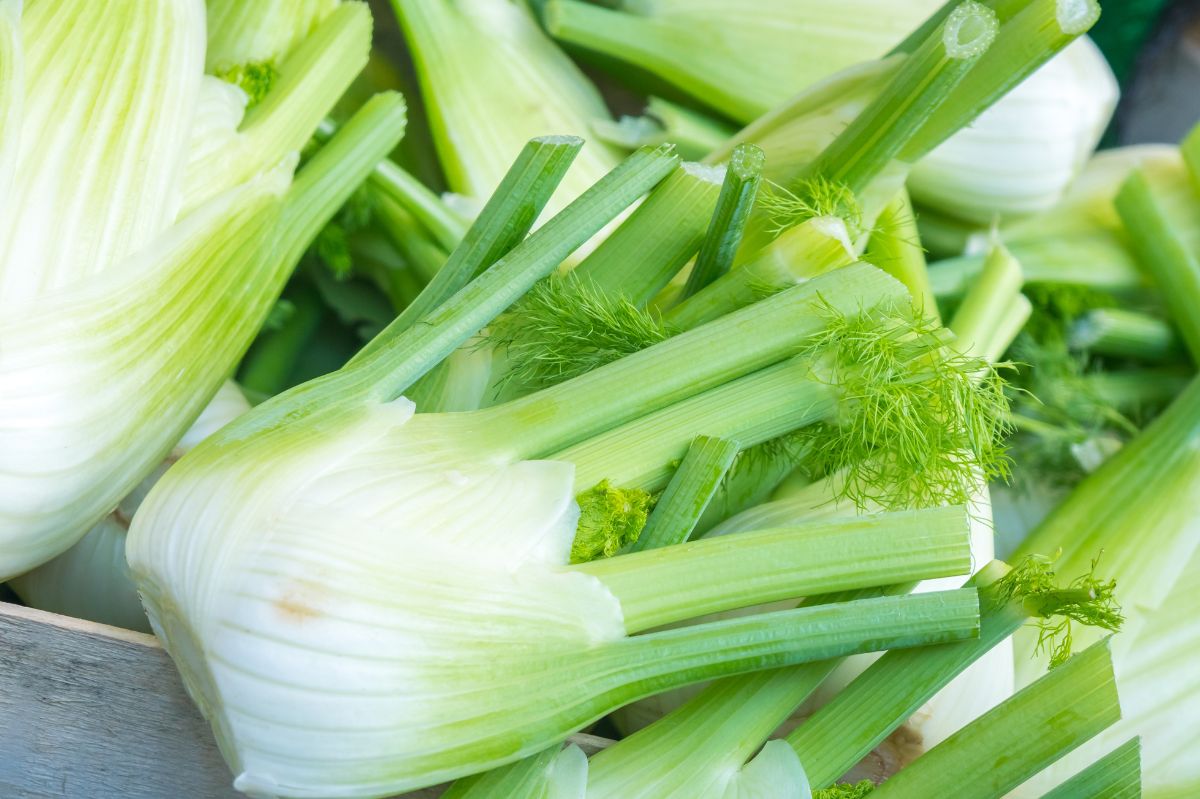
(395,183)
(401,357)
(1068,262)
(885,130)
(642,255)
(816,558)
(1147,537)
(653,46)
(742,177)
(501,225)
(1172,263)
(799,254)
(643,665)
(986,303)
(526,777)
(699,133)
(756,473)
(1190,149)
(1117,775)
(687,495)
(338,168)
(1126,334)
(693,133)
(1031,34)
(750,410)
(1134,390)
(722,726)
(410,239)
(895,247)
(1018,738)
(1007,328)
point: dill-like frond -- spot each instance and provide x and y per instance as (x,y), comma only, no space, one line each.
(808,199)
(920,424)
(1086,600)
(565,327)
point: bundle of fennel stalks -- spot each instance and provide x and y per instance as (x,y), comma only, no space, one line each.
(826,430)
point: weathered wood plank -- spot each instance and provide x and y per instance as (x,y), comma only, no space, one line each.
(95,712)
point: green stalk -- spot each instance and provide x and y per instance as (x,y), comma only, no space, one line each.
(1157,208)
(393,182)
(742,177)
(749,708)
(1031,34)
(756,473)
(401,355)
(1190,149)
(695,134)
(687,495)
(1008,326)
(654,47)
(642,255)
(884,696)
(643,665)
(1136,389)
(750,410)
(768,565)
(895,247)
(800,253)
(338,168)
(1018,738)
(265,370)
(503,223)
(987,303)
(1089,263)
(402,230)
(1117,775)
(1126,334)
(724,350)
(886,129)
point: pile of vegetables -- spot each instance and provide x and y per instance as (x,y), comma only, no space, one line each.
(826,429)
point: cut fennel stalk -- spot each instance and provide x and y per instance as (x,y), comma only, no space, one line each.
(1016,740)
(137,297)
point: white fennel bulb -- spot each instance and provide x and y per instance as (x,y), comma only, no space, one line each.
(147,230)
(91,579)
(1021,154)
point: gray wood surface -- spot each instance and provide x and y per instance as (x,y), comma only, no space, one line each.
(95,712)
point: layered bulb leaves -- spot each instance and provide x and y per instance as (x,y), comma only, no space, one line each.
(141,246)
(1020,155)
(91,579)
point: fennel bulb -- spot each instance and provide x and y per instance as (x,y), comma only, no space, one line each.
(91,579)
(1022,154)
(149,229)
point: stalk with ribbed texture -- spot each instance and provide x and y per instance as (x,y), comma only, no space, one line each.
(1021,736)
